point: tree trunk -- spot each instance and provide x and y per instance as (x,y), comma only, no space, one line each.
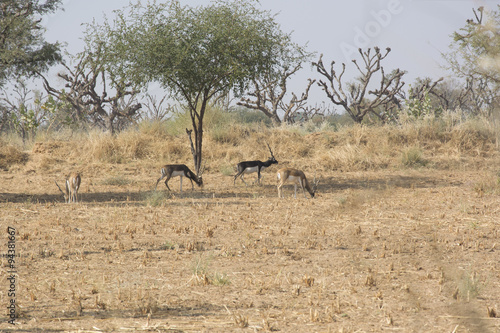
(199,142)
(276,120)
(197,122)
(198,138)
(193,151)
(108,122)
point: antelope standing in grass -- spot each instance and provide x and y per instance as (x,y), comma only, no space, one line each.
(297,177)
(254,166)
(179,170)
(70,192)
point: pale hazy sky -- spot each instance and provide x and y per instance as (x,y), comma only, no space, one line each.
(417,31)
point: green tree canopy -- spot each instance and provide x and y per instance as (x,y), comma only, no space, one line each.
(195,53)
(23,50)
(477,44)
(475,57)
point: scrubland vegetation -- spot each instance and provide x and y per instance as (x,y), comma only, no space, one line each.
(442,143)
(402,234)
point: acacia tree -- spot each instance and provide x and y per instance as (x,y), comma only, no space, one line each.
(354,97)
(22,47)
(475,57)
(197,54)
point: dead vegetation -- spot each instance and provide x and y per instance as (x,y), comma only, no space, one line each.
(403,234)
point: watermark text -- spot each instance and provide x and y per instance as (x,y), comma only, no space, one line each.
(372,29)
(11,274)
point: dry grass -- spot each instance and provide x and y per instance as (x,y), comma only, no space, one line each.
(386,245)
(11,155)
(354,148)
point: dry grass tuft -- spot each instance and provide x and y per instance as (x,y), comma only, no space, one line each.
(240,320)
(354,148)
(308,281)
(10,155)
(128,145)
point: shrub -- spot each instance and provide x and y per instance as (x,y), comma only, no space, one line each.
(155,198)
(10,155)
(413,157)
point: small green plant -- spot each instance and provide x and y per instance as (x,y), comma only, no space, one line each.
(469,286)
(421,108)
(25,122)
(220,279)
(224,133)
(156,198)
(167,246)
(412,157)
(474,225)
(342,201)
(256,195)
(200,265)
(116,181)
(227,170)
(202,274)
(490,184)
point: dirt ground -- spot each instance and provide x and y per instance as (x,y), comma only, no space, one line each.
(406,250)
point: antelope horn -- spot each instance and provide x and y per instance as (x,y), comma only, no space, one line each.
(202,170)
(315,183)
(272,155)
(59,187)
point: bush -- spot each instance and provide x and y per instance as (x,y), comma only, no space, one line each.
(10,155)
(156,198)
(413,157)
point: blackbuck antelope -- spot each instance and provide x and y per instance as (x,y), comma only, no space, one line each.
(254,166)
(297,177)
(70,192)
(179,170)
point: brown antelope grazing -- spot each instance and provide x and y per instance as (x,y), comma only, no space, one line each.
(254,166)
(297,177)
(70,192)
(178,170)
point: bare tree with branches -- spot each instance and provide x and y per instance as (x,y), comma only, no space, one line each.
(268,96)
(354,96)
(471,97)
(308,112)
(155,110)
(82,82)
(452,96)
(473,57)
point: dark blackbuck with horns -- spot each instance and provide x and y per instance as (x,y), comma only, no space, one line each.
(254,166)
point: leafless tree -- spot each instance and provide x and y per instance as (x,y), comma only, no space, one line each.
(268,95)
(473,97)
(446,95)
(297,109)
(452,96)
(473,58)
(82,82)
(423,87)
(155,110)
(483,96)
(354,97)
